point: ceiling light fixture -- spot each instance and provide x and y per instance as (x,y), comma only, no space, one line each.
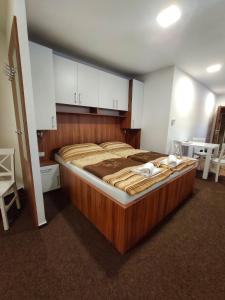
(214,68)
(169,16)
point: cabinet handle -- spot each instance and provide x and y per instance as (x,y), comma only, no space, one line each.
(53,122)
(117,104)
(114,103)
(75,97)
(79,99)
(132,123)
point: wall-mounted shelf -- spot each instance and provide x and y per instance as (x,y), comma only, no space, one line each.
(93,111)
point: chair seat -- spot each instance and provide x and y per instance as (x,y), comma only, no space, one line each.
(5,186)
(216,160)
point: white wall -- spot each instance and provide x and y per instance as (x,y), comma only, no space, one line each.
(220,101)
(157,101)
(8,137)
(18,9)
(176,107)
(192,108)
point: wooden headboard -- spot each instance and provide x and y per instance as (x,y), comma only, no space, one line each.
(75,128)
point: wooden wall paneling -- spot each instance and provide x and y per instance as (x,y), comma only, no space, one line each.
(124,226)
(73,128)
(126,122)
(133,137)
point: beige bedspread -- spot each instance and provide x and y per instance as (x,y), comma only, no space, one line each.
(116,170)
(82,155)
(121,149)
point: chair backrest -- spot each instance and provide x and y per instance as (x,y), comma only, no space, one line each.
(177,148)
(7,166)
(222,152)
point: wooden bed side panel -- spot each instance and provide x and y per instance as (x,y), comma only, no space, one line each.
(144,215)
(95,206)
(119,233)
(126,226)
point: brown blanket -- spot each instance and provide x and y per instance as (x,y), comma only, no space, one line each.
(147,156)
(119,172)
(110,166)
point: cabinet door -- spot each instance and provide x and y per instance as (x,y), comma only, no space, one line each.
(107,91)
(43,86)
(50,178)
(65,80)
(88,86)
(137,104)
(121,93)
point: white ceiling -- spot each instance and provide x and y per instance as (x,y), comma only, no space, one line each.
(124,35)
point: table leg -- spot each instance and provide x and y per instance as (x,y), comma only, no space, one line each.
(190,150)
(207,163)
(216,152)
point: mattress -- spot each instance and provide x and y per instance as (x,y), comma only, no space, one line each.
(114,192)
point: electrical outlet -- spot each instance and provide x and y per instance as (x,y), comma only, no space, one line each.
(173,122)
(41,154)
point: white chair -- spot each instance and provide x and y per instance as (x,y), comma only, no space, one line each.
(7,183)
(218,163)
(177,148)
(199,151)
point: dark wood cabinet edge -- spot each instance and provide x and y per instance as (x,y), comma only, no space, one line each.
(126,122)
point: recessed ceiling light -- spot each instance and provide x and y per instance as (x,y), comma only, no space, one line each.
(169,16)
(214,68)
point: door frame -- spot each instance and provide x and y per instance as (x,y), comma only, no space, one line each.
(218,116)
(26,167)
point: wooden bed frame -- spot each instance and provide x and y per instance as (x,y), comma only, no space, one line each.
(122,225)
(125,225)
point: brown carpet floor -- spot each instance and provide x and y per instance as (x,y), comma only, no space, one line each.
(184,258)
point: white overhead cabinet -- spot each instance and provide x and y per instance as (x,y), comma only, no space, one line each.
(106,92)
(88,86)
(137,104)
(65,74)
(75,83)
(43,86)
(80,84)
(121,93)
(113,92)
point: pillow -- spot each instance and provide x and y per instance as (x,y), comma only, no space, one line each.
(72,152)
(109,146)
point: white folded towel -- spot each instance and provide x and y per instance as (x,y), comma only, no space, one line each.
(147,170)
(172,160)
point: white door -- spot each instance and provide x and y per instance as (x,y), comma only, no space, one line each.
(88,86)
(137,104)
(65,80)
(43,86)
(121,93)
(106,91)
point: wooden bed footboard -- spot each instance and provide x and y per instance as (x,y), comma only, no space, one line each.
(125,225)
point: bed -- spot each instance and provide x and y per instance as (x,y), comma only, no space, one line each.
(122,218)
